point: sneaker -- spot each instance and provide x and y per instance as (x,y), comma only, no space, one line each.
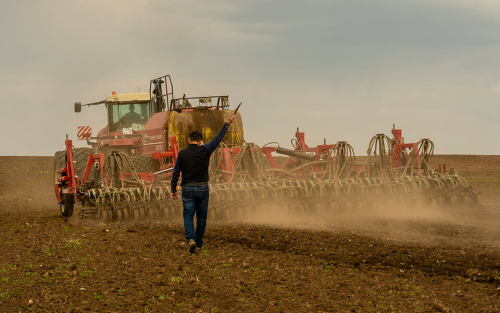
(192,246)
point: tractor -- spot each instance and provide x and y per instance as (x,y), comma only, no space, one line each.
(149,128)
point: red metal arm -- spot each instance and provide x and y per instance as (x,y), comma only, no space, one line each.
(171,153)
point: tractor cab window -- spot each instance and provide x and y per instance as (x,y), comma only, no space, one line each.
(130,115)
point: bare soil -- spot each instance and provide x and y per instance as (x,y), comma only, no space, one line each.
(418,259)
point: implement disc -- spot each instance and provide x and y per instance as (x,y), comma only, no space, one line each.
(103,215)
(152,213)
(119,215)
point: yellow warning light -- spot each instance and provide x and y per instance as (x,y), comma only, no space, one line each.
(113,93)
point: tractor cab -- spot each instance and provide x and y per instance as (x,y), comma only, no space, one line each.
(129,113)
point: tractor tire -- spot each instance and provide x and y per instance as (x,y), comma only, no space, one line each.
(81,156)
(144,164)
(59,162)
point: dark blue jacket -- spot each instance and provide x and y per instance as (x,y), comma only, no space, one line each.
(194,160)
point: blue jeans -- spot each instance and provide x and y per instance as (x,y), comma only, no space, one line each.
(195,200)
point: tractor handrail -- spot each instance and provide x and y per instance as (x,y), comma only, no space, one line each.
(156,91)
(183,103)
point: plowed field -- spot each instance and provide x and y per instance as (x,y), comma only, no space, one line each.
(419,259)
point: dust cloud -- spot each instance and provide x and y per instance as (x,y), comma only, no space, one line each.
(397,220)
(405,221)
(27,186)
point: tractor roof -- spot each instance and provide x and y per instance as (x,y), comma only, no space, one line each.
(129,97)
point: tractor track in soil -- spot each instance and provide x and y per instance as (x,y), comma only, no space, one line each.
(439,259)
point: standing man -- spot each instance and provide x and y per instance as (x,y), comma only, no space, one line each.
(193,162)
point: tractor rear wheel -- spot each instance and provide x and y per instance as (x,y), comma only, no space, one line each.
(59,162)
(144,164)
(81,156)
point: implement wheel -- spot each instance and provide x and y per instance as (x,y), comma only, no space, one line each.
(67,205)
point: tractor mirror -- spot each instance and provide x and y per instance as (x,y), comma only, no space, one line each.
(78,107)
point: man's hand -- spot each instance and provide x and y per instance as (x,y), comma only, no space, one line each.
(230,119)
(173,195)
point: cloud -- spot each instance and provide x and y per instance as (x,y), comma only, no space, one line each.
(338,69)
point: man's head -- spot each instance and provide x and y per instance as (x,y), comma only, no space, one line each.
(131,108)
(195,137)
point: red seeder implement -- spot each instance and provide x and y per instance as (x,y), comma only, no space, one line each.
(328,178)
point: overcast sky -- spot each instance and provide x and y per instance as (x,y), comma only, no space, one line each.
(340,70)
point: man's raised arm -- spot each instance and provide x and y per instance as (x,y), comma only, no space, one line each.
(212,145)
